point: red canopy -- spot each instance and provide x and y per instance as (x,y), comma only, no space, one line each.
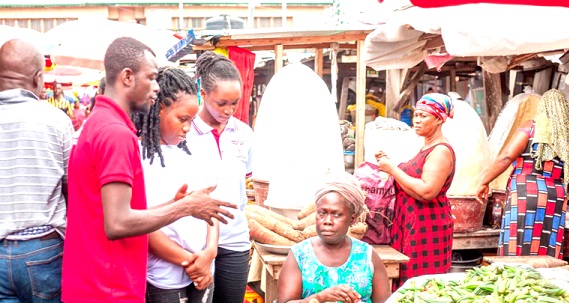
(441,3)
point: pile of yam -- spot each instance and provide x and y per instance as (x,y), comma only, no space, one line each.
(268,227)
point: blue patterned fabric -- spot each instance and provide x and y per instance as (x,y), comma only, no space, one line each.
(356,272)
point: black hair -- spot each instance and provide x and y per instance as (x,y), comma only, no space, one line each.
(102,89)
(212,67)
(171,81)
(102,84)
(124,52)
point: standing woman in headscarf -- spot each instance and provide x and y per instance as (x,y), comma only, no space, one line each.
(422,225)
(534,215)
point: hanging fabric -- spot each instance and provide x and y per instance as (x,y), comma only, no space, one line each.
(244,60)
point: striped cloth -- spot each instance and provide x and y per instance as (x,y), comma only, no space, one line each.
(534,214)
(62,104)
(35,141)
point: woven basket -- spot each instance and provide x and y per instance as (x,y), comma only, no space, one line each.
(261,188)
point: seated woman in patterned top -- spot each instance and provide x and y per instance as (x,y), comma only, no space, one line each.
(334,267)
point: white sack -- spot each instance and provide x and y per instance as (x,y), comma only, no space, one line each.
(467,136)
(297,137)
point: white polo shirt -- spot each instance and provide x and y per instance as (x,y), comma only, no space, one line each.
(229,157)
(161,184)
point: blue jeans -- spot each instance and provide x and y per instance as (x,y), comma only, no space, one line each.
(30,270)
(231,268)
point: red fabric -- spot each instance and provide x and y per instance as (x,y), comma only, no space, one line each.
(437,61)
(422,230)
(441,3)
(96,269)
(244,60)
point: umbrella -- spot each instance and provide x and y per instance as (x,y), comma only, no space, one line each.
(72,74)
(83,43)
(27,34)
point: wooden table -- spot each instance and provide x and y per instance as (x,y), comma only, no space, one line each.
(273,263)
(480,239)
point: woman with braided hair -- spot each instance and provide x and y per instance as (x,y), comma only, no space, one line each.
(181,254)
(333,267)
(534,215)
(223,143)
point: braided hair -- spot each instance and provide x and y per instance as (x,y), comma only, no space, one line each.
(171,81)
(212,67)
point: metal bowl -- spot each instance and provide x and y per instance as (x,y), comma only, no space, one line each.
(287,212)
(275,249)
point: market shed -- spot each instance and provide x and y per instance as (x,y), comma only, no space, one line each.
(317,39)
(500,37)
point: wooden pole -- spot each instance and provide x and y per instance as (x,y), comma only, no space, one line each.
(452,80)
(319,61)
(360,104)
(493,93)
(512,84)
(343,98)
(278,57)
(393,83)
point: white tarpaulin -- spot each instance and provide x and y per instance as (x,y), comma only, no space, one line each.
(466,30)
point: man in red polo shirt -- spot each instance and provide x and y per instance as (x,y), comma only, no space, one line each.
(106,245)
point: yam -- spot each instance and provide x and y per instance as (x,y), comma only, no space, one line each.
(309,231)
(307,210)
(307,221)
(357,230)
(276,226)
(264,235)
(269,213)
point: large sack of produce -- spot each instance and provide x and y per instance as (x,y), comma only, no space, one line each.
(380,201)
(467,136)
(519,109)
(297,137)
(394,137)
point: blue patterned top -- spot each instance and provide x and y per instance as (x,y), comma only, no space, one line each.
(357,272)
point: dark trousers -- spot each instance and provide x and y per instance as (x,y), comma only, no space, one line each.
(188,294)
(231,268)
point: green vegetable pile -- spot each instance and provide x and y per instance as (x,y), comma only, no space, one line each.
(488,284)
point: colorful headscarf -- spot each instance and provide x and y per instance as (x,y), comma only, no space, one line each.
(439,105)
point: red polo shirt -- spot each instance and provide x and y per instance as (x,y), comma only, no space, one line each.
(96,269)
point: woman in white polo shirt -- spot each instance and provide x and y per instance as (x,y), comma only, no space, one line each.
(223,143)
(180,263)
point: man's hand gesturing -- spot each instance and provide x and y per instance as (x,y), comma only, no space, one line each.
(201,205)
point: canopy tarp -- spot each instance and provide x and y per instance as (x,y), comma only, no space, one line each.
(408,34)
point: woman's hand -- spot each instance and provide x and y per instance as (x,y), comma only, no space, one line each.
(383,162)
(339,293)
(203,282)
(482,193)
(200,266)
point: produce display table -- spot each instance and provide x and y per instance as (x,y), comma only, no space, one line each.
(533,261)
(273,263)
(480,239)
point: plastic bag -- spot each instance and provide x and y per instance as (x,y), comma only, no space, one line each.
(380,201)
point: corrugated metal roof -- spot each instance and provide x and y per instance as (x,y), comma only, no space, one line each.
(43,3)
